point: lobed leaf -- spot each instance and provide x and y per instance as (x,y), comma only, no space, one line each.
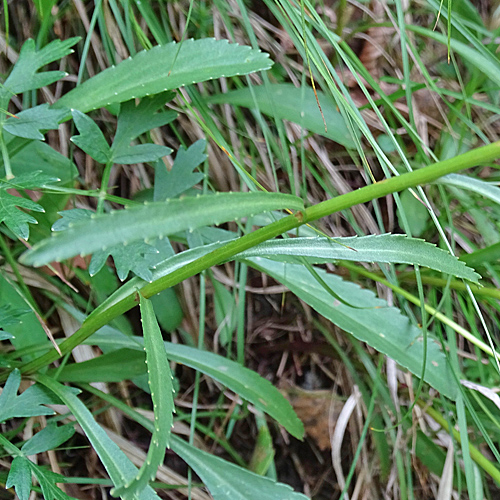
(24,76)
(165,67)
(169,184)
(154,220)
(382,327)
(31,122)
(27,404)
(391,248)
(20,477)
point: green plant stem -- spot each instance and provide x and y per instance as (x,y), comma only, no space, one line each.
(475,454)
(103,315)
(104,187)
(5,157)
(433,312)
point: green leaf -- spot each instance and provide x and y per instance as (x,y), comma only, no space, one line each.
(382,327)
(30,123)
(24,75)
(485,62)
(416,213)
(118,466)
(244,382)
(483,188)
(126,258)
(227,481)
(391,248)
(48,483)
(20,477)
(163,68)
(295,104)
(114,366)
(48,438)
(132,257)
(27,404)
(40,156)
(16,220)
(136,120)
(160,384)
(154,220)
(181,176)
(91,140)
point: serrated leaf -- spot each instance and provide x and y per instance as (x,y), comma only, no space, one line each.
(181,176)
(118,466)
(298,105)
(160,384)
(20,477)
(390,248)
(227,481)
(154,220)
(30,123)
(91,140)
(163,68)
(27,404)
(136,120)
(382,327)
(24,75)
(48,438)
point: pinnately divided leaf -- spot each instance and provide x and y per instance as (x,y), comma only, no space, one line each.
(24,75)
(160,384)
(391,248)
(154,220)
(132,257)
(27,404)
(165,67)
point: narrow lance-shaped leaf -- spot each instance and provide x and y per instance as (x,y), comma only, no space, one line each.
(391,248)
(163,68)
(244,382)
(154,220)
(227,481)
(161,387)
(382,327)
(298,105)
